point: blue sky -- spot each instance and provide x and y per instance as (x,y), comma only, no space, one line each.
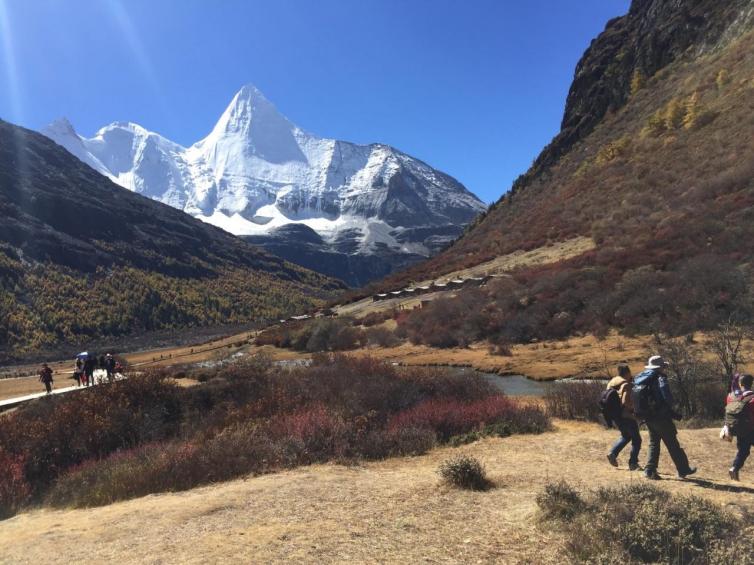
(475,88)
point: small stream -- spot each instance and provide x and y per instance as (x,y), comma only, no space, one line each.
(512,385)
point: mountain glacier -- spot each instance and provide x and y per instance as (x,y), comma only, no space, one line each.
(257,172)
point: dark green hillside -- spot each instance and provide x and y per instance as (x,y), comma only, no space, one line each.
(82,258)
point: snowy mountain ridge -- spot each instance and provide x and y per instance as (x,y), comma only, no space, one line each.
(256,172)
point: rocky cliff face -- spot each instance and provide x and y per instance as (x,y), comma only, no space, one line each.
(653,34)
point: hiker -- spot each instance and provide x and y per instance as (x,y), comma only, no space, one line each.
(619,410)
(45,376)
(89,370)
(78,371)
(101,362)
(110,366)
(739,420)
(653,404)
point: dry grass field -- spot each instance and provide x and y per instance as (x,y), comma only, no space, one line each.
(394,511)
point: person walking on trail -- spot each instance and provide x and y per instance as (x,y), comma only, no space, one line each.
(653,404)
(739,420)
(78,372)
(89,370)
(45,377)
(619,408)
(110,366)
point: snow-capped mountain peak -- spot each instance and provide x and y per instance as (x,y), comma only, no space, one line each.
(61,131)
(251,123)
(256,171)
(62,127)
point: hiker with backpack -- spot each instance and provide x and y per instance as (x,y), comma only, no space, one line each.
(653,404)
(739,422)
(45,377)
(617,410)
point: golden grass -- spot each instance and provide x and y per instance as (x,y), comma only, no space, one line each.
(500,265)
(552,253)
(395,511)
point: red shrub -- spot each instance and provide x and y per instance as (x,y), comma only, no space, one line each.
(316,432)
(450,417)
(14,490)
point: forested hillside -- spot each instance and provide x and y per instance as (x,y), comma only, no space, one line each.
(82,258)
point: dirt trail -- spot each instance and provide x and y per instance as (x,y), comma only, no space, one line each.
(391,511)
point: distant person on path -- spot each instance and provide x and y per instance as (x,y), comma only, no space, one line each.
(89,370)
(624,419)
(45,376)
(739,418)
(101,363)
(78,372)
(653,403)
(110,366)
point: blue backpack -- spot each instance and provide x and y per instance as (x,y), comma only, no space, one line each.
(644,395)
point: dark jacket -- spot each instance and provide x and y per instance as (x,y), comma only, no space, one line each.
(45,375)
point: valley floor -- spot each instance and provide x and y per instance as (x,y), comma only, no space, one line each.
(391,511)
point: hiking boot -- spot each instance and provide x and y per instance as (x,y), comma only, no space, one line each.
(612,459)
(634,467)
(689,471)
(652,475)
(733,474)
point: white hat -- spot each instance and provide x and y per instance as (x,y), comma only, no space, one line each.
(656,362)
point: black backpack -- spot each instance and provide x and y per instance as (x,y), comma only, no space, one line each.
(610,406)
(644,398)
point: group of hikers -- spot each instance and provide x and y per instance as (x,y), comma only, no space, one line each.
(83,370)
(646,398)
(86,364)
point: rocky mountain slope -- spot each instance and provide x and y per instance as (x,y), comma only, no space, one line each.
(82,258)
(655,163)
(257,172)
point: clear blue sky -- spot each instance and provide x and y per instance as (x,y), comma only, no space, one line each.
(474,87)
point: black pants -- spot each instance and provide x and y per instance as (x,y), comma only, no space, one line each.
(743,443)
(663,429)
(48,386)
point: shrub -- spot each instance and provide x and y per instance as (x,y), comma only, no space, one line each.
(559,501)
(381,337)
(574,400)
(146,434)
(54,434)
(450,418)
(464,472)
(375,318)
(612,151)
(722,79)
(316,433)
(396,442)
(169,467)
(638,81)
(14,490)
(636,523)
